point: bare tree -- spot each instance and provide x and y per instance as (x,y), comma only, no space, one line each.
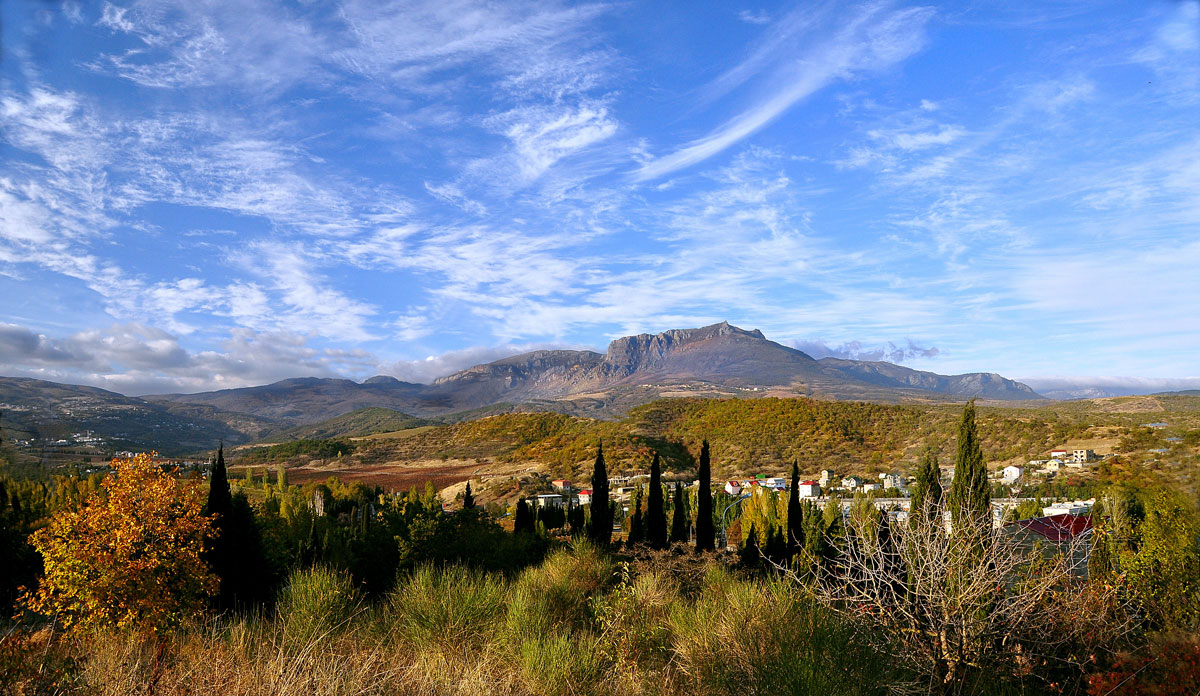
(963,602)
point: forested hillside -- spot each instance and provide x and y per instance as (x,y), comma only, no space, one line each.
(753,435)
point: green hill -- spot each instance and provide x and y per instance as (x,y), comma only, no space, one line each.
(364,421)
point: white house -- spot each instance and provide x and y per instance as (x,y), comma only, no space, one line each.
(1053,465)
(825,477)
(549,500)
(775,482)
(809,489)
(1012,473)
(1059,454)
(851,482)
(1083,455)
(891,480)
(733,487)
(1075,507)
(868,487)
(585,496)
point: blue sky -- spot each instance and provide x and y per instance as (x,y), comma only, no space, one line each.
(197,195)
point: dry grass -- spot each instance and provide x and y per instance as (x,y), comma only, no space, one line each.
(577,625)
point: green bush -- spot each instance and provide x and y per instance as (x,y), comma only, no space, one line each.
(316,603)
(761,637)
(448,607)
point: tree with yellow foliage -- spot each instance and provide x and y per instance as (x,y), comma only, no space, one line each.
(130,557)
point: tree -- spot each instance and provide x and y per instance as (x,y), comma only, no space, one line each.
(679,517)
(970,496)
(656,513)
(705,534)
(795,513)
(1164,573)
(927,491)
(132,556)
(601,526)
(522,518)
(468,499)
(750,555)
(921,589)
(637,527)
(220,550)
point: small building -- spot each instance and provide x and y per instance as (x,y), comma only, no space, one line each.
(560,484)
(1075,507)
(867,487)
(775,482)
(549,500)
(891,480)
(733,487)
(826,477)
(851,483)
(1053,466)
(1012,473)
(585,496)
(809,489)
(1155,426)
(1083,456)
(1059,454)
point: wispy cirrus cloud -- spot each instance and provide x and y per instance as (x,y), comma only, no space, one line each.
(873,38)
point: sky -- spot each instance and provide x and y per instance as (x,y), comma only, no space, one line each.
(205,194)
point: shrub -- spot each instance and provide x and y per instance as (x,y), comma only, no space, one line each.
(761,637)
(315,603)
(452,607)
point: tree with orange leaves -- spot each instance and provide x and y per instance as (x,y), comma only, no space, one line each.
(131,556)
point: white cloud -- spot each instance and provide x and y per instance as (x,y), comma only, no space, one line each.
(871,40)
(754,16)
(857,350)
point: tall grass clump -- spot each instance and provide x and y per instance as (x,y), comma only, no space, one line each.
(558,593)
(315,603)
(760,636)
(449,607)
(549,626)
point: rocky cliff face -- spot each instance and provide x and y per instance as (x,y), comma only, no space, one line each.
(719,355)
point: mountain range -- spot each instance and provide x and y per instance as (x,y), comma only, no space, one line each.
(716,360)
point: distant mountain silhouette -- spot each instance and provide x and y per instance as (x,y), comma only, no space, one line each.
(721,357)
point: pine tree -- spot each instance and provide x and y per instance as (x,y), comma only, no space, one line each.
(679,519)
(656,513)
(468,499)
(637,528)
(601,526)
(927,491)
(795,514)
(970,495)
(705,534)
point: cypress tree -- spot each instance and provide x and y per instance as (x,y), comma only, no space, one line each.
(220,500)
(970,495)
(220,549)
(601,527)
(656,513)
(795,513)
(750,554)
(522,519)
(637,528)
(679,519)
(468,499)
(705,534)
(927,491)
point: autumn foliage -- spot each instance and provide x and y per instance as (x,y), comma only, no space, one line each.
(130,557)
